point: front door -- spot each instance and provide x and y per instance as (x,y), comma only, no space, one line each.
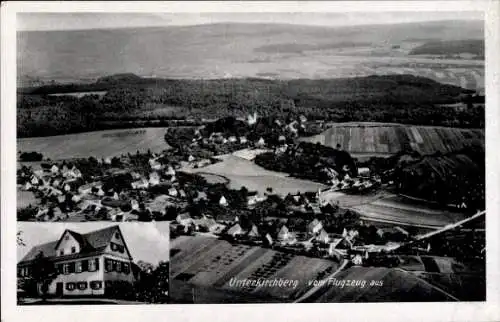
(59,289)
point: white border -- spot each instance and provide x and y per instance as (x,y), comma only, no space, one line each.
(489,311)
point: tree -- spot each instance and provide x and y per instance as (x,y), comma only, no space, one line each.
(43,273)
(20,241)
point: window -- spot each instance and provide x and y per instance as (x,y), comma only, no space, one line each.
(118,267)
(59,268)
(114,266)
(70,286)
(73,250)
(121,249)
(71,267)
(117,235)
(94,264)
(66,237)
(109,264)
(82,286)
(126,268)
(66,269)
(78,267)
(61,252)
(96,285)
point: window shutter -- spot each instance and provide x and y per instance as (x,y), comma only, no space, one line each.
(72,267)
(85,265)
(96,264)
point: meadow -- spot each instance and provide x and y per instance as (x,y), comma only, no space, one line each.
(244,173)
(98,144)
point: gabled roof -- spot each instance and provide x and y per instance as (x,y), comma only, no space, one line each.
(90,242)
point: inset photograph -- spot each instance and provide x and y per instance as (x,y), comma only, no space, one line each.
(92,263)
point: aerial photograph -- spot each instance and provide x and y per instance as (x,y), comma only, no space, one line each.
(294,157)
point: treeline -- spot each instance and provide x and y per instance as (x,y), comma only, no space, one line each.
(399,98)
(308,161)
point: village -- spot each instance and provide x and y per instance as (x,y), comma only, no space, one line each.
(163,187)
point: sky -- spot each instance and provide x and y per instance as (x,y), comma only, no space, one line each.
(146,241)
(72,21)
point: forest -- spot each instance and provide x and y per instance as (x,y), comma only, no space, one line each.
(137,102)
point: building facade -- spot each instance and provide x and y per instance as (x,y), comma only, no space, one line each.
(86,264)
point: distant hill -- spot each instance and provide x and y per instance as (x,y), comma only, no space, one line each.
(451,47)
(221,50)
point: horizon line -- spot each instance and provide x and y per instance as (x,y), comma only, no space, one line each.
(255,23)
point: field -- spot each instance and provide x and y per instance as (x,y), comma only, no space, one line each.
(381,139)
(25,199)
(99,144)
(391,209)
(211,263)
(238,50)
(241,172)
(397,286)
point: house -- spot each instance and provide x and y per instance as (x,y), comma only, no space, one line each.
(392,231)
(314,226)
(172,192)
(107,160)
(364,172)
(261,142)
(54,169)
(184,219)
(268,239)
(100,192)
(140,184)
(76,198)
(223,201)
(135,175)
(61,199)
(284,234)
(203,163)
(34,180)
(154,179)
(252,200)
(243,140)
(27,186)
(87,264)
(235,230)
(170,171)
(254,232)
(155,165)
(232,139)
(323,236)
(67,187)
(281,139)
(56,183)
(252,119)
(134,204)
(191,158)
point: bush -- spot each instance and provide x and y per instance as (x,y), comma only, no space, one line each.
(31,157)
(121,290)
